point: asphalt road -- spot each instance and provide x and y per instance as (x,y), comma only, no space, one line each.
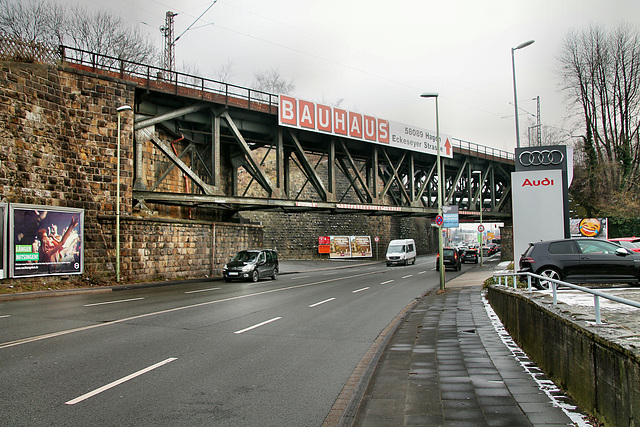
(211,353)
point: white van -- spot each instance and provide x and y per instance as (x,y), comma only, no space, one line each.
(401,251)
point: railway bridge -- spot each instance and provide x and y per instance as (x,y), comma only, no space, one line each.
(234,156)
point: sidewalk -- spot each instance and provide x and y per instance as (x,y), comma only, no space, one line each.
(450,364)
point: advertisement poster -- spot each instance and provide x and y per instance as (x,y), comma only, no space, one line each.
(350,247)
(3,242)
(340,247)
(324,245)
(45,240)
(361,247)
(589,227)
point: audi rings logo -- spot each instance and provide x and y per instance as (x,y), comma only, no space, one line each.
(541,158)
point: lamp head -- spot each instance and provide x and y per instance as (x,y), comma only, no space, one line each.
(525,44)
(123,108)
(429,95)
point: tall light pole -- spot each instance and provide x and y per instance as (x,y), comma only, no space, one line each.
(119,111)
(439,171)
(481,232)
(515,95)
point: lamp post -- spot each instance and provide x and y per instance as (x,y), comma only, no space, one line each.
(439,171)
(481,232)
(119,111)
(515,95)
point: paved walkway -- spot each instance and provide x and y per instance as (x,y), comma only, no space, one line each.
(450,363)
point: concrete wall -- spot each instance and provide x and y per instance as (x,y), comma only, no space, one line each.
(600,374)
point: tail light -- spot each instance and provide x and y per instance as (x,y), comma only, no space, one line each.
(528,259)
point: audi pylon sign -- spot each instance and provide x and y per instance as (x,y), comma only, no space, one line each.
(540,195)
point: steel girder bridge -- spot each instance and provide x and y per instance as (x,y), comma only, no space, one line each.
(238,158)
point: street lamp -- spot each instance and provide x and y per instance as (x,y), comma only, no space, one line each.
(481,232)
(440,260)
(515,96)
(119,111)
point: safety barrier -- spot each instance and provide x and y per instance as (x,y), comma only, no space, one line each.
(554,288)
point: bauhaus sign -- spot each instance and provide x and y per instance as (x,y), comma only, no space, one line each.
(315,117)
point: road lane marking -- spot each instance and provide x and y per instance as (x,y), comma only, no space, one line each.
(388,281)
(113,302)
(422,272)
(202,290)
(360,290)
(299,277)
(321,302)
(258,325)
(171,310)
(407,276)
(118,382)
(4,315)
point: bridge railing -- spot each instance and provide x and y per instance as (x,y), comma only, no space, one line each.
(176,82)
(482,151)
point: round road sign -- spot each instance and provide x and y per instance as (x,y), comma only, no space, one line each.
(439,220)
(481,228)
(376,239)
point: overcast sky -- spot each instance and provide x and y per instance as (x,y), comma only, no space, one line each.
(379,56)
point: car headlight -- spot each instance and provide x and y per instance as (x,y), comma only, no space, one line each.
(247,268)
(224,267)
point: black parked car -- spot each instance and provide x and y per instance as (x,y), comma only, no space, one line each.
(252,265)
(450,258)
(581,261)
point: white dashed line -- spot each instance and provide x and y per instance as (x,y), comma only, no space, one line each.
(202,290)
(388,281)
(359,290)
(113,302)
(258,325)
(321,302)
(118,382)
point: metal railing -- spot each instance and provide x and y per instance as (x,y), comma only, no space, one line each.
(175,82)
(486,152)
(154,77)
(554,288)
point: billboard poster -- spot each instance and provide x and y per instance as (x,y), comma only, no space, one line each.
(589,227)
(340,247)
(3,241)
(361,247)
(45,240)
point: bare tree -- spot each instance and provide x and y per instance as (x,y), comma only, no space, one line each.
(42,21)
(601,77)
(271,81)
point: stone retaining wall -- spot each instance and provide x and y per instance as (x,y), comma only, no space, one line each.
(600,372)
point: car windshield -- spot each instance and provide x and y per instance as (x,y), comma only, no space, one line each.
(396,248)
(245,256)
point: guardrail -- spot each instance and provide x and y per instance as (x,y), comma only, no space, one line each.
(486,152)
(554,287)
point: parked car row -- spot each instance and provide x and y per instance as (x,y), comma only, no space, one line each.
(581,261)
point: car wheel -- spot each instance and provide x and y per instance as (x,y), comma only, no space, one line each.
(275,274)
(255,276)
(226,279)
(414,261)
(549,272)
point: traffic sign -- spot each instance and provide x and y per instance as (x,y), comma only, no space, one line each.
(439,220)
(376,239)
(481,228)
